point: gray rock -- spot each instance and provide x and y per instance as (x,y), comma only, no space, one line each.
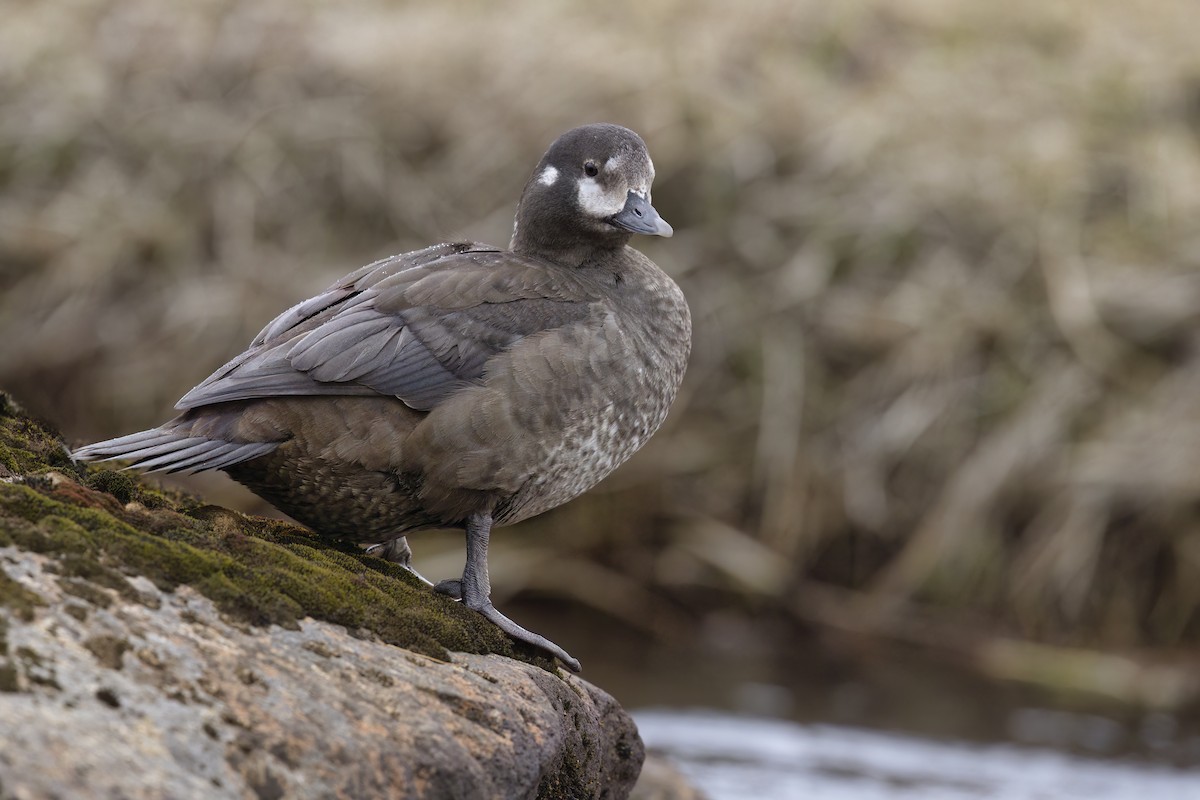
(162,696)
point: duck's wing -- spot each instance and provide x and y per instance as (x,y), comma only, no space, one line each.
(417,327)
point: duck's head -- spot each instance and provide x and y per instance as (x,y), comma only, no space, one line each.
(590,192)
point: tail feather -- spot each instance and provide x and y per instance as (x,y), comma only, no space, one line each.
(144,455)
(128,443)
(237,456)
(180,454)
(167,450)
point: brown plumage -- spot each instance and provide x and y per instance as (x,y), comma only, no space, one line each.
(460,385)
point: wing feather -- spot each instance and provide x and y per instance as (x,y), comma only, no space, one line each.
(417,327)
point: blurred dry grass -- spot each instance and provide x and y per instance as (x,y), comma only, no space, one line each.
(942,257)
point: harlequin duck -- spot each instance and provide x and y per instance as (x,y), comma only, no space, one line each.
(459,386)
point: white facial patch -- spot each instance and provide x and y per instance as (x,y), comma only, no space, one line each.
(548,177)
(595,202)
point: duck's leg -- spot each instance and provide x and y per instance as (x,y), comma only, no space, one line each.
(475,590)
(398,552)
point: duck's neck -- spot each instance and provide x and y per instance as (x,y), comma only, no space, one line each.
(574,257)
(567,250)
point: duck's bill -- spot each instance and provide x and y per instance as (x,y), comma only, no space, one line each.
(638,216)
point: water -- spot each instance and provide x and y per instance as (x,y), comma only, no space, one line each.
(734,757)
(752,710)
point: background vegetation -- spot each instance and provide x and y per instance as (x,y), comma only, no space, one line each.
(942,257)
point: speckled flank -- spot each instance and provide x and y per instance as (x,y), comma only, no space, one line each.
(641,380)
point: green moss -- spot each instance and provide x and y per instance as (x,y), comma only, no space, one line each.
(18,599)
(62,535)
(28,446)
(378,676)
(125,489)
(35,668)
(321,649)
(86,591)
(108,650)
(9,679)
(119,484)
(101,526)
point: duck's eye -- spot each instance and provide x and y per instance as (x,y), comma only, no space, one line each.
(590,169)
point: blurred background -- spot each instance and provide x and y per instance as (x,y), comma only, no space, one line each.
(939,438)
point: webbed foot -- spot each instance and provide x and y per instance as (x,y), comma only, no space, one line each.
(515,631)
(475,592)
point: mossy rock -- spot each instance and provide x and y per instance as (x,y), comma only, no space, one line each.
(28,446)
(102,526)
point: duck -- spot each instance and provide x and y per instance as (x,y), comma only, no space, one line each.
(460,386)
